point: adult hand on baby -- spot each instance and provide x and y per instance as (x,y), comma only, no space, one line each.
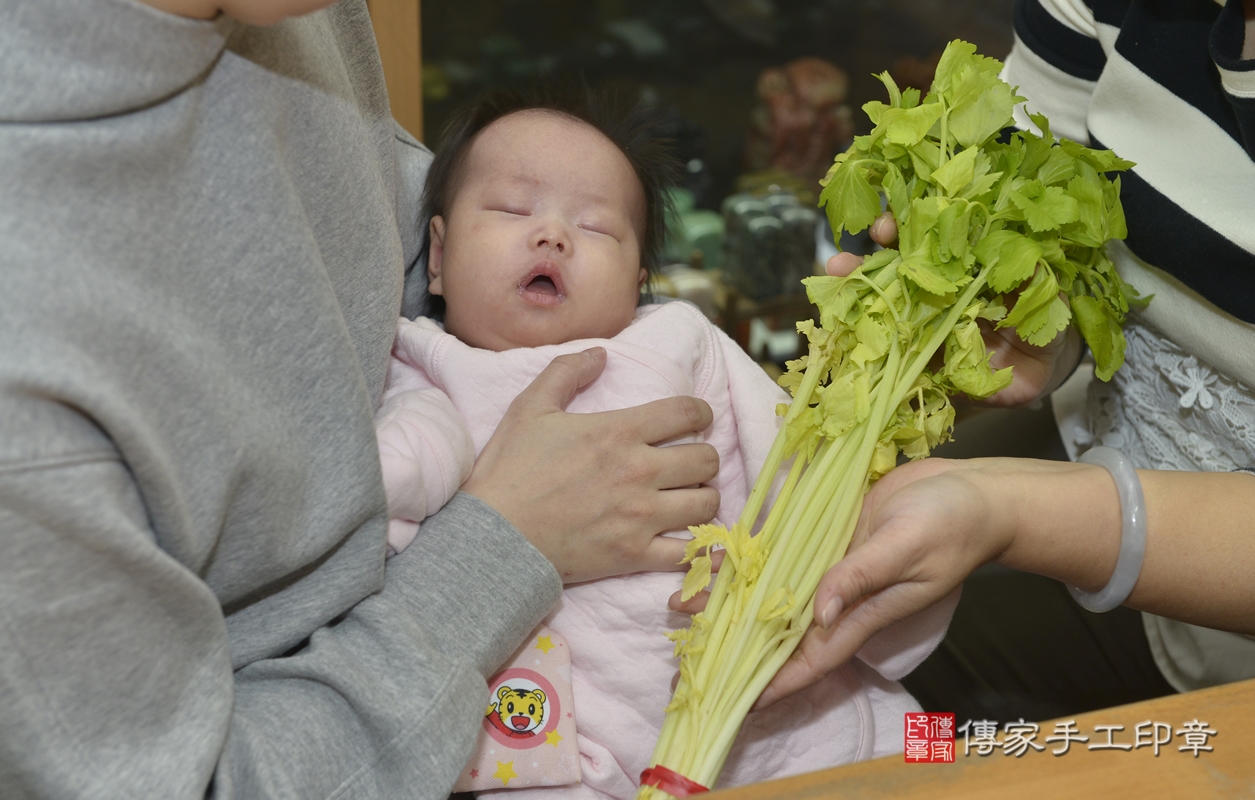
(1038,370)
(591,491)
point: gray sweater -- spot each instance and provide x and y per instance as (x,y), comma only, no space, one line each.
(203,234)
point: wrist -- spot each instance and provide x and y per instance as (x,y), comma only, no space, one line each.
(499,503)
(1132,534)
(1058,519)
(995,516)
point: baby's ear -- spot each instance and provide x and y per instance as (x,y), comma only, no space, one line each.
(435,255)
(644,276)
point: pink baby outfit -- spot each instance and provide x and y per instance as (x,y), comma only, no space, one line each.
(621,663)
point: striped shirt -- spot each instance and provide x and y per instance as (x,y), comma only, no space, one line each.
(1163,85)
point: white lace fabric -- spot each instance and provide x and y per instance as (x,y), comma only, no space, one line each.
(1166,409)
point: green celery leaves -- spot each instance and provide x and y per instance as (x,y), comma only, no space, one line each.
(1026,218)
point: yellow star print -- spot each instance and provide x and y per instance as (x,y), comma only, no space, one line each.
(553,737)
(505,772)
(544,644)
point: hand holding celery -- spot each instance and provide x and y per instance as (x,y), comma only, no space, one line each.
(988,230)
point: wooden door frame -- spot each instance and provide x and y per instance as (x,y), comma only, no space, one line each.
(398,29)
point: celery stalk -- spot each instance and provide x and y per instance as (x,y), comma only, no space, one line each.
(976,218)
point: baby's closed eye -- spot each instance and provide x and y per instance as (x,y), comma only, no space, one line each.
(595,227)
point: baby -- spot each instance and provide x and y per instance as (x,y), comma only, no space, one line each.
(546,219)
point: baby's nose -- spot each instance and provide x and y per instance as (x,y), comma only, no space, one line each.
(552,241)
(552,234)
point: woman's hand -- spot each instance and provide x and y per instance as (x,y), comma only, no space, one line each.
(926,525)
(1037,371)
(923,529)
(884,232)
(591,491)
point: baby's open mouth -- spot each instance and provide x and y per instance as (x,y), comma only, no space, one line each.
(542,284)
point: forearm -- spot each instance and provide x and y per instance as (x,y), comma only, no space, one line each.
(928,524)
(1064,521)
(484,582)
(390,697)
(115,663)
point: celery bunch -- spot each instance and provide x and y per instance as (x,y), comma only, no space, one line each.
(978,218)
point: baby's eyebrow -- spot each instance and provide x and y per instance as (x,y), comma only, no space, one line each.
(514,180)
(602,200)
(596,198)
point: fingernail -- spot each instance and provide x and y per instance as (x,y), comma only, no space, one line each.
(596,353)
(830,612)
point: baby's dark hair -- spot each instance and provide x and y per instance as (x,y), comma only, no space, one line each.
(629,125)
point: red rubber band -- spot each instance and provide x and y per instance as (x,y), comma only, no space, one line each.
(671,782)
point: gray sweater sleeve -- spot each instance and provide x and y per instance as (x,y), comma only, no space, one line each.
(399,682)
(116,677)
(200,278)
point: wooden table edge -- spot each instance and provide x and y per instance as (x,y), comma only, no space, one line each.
(1228,770)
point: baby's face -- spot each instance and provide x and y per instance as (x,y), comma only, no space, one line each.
(541,244)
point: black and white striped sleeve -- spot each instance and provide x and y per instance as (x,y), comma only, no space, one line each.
(1055,61)
(1162,84)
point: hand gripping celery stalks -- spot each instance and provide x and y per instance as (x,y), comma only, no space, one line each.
(978,218)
